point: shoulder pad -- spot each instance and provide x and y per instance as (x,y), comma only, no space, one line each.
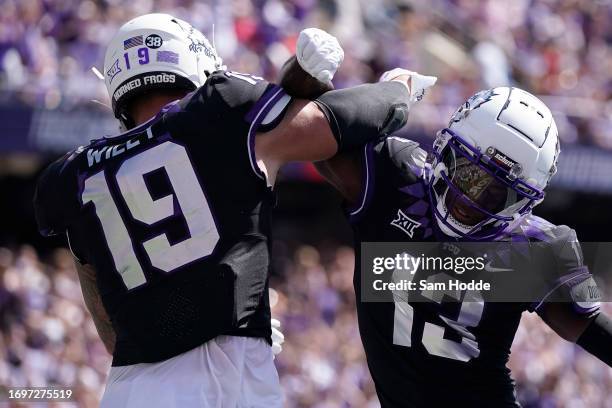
(534,228)
(404,155)
(227,89)
(560,239)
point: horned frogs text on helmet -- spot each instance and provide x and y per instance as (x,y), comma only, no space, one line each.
(492,163)
(156,51)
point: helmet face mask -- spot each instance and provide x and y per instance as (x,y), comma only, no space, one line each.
(491,165)
(473,196)
(475,189)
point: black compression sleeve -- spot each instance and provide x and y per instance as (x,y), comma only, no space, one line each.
(363,113)
(597,338)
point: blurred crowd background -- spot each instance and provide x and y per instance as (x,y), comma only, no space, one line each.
(558,49)
(48,338)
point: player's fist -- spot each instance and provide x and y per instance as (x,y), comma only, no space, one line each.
(319,54)
(416,82)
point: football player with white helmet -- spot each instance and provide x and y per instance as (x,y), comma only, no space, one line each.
(169,220)
(488,169)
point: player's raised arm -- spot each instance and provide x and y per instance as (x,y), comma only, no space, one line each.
(344,171)
(308,74)
(337,121)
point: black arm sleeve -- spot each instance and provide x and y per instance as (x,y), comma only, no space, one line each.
(597,338)
(363,113)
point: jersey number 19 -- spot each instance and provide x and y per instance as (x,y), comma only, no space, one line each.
(173,158)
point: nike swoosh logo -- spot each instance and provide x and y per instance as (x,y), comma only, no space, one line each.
(490,268)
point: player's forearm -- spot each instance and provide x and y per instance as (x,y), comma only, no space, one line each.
(364,113)
(597,338)
(298,83)
(93,301)
(562,318)
(336,122)
(594,334)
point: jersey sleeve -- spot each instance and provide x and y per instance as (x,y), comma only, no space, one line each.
(405,158)
(240,104)
(393,162)
(570,281)
(55,197)
(239,97)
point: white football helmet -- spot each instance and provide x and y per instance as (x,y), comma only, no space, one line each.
(490,166)
(156,51)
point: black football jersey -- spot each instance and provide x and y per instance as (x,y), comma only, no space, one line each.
(448,353)
(173,215)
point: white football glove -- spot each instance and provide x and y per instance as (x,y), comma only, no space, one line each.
(419,83)
(319,53)
(278,338)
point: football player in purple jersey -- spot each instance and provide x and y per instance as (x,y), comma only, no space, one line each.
(169,220)
(487,171)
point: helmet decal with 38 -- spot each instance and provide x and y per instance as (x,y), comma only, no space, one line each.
(151,47)
(154,41)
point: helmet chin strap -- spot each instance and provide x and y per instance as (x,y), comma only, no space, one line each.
(443,210)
